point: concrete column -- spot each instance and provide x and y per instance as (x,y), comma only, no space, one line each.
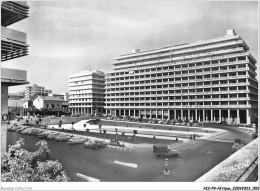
(140,113)
(156,113)
(119,112)
(196,114)
(238,117)
(220,117)
(228,116)
(129,112)
(175,114)
(134,112)
(169,112)
(211,114)
(188,114)
(248,119)
(181,114)
(203,115)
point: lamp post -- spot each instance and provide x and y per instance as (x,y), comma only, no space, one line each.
(166,171)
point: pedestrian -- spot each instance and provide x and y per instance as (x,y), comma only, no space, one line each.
(48,154)
(194,136)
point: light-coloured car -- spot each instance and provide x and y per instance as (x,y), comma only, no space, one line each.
(52,135)
(63,137)
(27,131)
(89,143)
(36,131)
(44,134)
(76,140)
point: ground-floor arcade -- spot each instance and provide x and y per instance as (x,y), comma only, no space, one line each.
(231,116)
(86,110)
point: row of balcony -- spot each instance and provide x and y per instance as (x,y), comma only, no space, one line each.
(184,100)
(216,52)
(200,60)
(243,106)
(182,87)
(182,94)
(181,46)
(143,77)
(189,80)
(176,52)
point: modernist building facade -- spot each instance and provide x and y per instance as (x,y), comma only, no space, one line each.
(13,45)
(87,92)
(33,90)
(211,80)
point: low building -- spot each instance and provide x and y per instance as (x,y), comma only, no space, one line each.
(52,102)
(15,100)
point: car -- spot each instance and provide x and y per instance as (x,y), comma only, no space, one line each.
(21,129)
(27,131)
(223,122)
(10,127)
(44,134)
(35,131)
(95,144)
(63,137)
(52,135)
(88,144)
(16,128)
(76,140)
(165,151)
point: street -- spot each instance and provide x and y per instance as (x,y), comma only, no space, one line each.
(196,158)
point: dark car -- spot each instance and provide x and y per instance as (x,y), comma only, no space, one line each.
(223,122)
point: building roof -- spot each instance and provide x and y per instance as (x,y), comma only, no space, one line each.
(49,98)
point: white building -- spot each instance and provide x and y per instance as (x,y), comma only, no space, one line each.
(87,92)
(211,80)
(40,102)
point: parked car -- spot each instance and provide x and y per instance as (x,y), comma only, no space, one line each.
(21,129)
(44,134)
(76,140)
(35,131)
(164,151)
(27,131)
(223,122)
(95,144)
(52,135)
(63,137)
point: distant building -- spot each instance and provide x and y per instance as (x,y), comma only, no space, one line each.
(87,92)
(64,96)
(15,100)
(34,90)
(13,45)
(51,102)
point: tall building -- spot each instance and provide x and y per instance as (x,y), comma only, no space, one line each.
(87,92)
(211,80)
(13,45)
(34,90)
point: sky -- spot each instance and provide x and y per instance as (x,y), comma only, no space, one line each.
(66,37)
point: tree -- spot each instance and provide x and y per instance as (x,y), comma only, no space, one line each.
(20,165)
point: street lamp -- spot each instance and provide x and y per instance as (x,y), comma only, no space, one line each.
(166,171)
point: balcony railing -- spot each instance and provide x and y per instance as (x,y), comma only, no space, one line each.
(13,11)
(239,49)
(13,76)
(13,44)
(182,51)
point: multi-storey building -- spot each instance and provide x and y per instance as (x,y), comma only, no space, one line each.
(211,80)
(13,45)
(34,90)
(87,92)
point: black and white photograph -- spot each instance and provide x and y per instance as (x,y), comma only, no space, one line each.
(129,95)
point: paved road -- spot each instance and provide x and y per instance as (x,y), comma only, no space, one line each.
(196,158)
